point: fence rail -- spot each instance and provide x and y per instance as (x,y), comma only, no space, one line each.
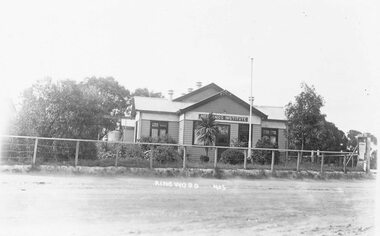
(84,152)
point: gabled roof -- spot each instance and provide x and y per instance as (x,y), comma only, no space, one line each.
(158,104)
(273,112)
(212,85)
(216,96)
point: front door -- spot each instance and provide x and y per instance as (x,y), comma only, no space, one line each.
(222,139)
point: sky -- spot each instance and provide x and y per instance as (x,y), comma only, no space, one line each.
(162,45)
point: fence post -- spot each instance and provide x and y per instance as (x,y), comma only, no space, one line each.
(286,157)
(298,161)
(352,161)
(272,164)
(151,158)
(322,160)
(245,159)
(35,152)
(344,164)
(184,157)
(76,154)
(117,154)
(215,157)
(317,157)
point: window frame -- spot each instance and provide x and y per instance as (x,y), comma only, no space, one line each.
(240,133)
(218,124)
(228,136)
(270,129)
(158,127)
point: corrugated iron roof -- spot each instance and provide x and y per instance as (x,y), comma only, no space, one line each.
(273,112)
(159,104)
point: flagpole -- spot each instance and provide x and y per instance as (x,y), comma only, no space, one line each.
(250,116)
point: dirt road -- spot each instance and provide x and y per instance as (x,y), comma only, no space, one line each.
(77,205)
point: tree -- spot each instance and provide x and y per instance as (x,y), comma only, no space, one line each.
(372,138)
(330,138)
(305,118)
(114,98)
(67,109)
(207,130)
(352,140)
(144,92)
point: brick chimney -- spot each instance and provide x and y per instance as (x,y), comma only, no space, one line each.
(170,92)
(199,85)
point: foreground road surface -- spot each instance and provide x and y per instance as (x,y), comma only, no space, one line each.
(76,205)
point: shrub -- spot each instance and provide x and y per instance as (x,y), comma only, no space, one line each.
(165,154)
(132,151)
(161,139)
(88,150)
(238,143)
(232,156)
(263,156)
(204,158)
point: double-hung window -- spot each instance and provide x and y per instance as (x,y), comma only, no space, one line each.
(158,128)
(271,134)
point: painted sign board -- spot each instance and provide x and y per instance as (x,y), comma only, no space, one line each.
(226,117)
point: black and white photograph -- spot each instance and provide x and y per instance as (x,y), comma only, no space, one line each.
(174,117)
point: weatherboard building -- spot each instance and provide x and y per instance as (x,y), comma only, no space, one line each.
(178,118)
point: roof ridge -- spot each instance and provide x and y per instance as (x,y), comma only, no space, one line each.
(268,106)
(212,84)
(152,97)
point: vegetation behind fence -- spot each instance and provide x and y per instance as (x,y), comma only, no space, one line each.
(152,154)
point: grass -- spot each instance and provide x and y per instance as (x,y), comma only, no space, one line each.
(142,163)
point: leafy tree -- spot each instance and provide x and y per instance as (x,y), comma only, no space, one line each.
(70,110)
(144,92)
(305,118)
(372,137)
(207,130)
(352,140)
(114,98)
(330,138)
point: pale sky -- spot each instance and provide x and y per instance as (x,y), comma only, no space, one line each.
(162,45)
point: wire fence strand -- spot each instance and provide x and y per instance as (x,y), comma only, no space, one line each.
(72,152)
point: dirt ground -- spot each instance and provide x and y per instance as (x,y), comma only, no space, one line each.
(78,205)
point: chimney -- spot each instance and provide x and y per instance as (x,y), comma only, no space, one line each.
(189,90)
(199,84)
(170,92)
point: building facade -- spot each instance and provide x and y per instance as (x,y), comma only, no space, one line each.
(178,119)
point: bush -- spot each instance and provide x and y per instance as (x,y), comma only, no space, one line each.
(263,156)
(132,151)
(161,139)
(204,158)
(232,156)
(238,143)
(165,154)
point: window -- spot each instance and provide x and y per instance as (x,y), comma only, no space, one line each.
(271,134)
(221,139)
(158,128)
(243,134)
